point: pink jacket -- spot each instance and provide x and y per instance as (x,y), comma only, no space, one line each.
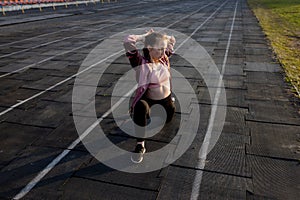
(141,65)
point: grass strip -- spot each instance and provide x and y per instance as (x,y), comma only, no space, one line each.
(280,20)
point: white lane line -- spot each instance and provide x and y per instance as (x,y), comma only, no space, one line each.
(57,84)
(38,36)
(47,34)
(51,42)
(59,54)
(191,14)
(54,41)
(204,148)
(202,24)
(50,166)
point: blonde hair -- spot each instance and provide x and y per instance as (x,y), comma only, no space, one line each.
(154,38)
(150,40)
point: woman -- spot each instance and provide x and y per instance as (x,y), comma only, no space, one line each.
(154,80)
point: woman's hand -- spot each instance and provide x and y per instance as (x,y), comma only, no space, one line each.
(142,37)
(149,32)
(171,40)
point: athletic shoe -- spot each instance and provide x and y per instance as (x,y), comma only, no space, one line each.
(137,156)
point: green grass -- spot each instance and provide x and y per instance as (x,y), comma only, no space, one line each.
(280,20)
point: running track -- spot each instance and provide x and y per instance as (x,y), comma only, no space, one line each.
(41,157)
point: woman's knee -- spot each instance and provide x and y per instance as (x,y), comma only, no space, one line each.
(141,107)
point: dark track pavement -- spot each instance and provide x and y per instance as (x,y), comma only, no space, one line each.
(256,157)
